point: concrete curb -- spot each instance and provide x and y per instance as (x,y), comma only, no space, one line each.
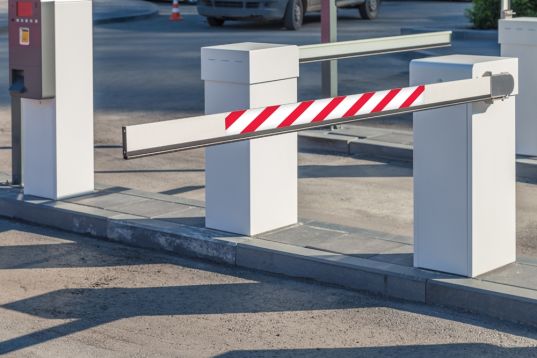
(488,298)
(408,283)
(132,17)
(329,142)
(458,34)
(114,226)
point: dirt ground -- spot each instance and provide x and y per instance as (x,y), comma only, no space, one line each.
(64,295)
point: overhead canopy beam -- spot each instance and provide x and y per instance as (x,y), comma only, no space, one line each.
(375,46)
(196,132)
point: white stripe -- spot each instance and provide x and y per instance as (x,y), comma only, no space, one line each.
(312,111)
(278,116)
(244,120)
(343,107)
(419,100)
(372,103)
(400,98)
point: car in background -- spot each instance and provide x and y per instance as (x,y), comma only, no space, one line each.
(290,11)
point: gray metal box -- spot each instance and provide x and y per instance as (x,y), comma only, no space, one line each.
(31,48)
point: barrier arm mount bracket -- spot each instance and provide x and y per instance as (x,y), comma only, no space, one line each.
(196,132)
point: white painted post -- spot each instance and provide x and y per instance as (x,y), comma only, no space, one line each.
(464,173)
(57,134)
(518,38)
(251,186)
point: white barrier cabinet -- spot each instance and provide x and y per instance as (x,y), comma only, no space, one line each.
(464,173)
(251,186)
(518,38)
(57,131)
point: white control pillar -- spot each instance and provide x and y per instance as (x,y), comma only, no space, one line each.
(518,38)
(251,186)
(57,132)
(464,173)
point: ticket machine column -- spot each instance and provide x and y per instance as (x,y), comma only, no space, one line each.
(51,71)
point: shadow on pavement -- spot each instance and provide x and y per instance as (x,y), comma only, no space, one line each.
(100,304)
(353,171)
(433,350)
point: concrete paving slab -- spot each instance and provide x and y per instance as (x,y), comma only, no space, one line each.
(362,232)
(149,208)
(325,141)
(363,132)
(397,138)
(303,235)
(164,197)
(517,274)
(527,260)
(402,255)
(355,245)
(377,149)
(104,199)
(190,216)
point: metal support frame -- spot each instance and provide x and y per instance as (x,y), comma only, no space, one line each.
(505,11)
(16,142)
(196,132)
(329,71)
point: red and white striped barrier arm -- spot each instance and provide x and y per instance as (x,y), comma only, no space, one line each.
(287,115)
(219,128)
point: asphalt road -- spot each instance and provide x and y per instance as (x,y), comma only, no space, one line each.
(64,295)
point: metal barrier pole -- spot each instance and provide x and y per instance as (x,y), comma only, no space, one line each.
(464,173)
(16,142)
(329,71)
(505,10)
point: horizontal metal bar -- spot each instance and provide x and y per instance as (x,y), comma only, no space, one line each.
(375,46)
(195,132)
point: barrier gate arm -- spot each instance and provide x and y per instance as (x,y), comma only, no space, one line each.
(375,46)
(195,132)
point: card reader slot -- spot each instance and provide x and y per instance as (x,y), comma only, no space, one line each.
(17,82)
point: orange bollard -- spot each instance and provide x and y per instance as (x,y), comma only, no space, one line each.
(176,14)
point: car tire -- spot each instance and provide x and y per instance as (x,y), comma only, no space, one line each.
(294,15)
(215,21)
(369,9)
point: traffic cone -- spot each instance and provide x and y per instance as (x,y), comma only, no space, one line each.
(176,15)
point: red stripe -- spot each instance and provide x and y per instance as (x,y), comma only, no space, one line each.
(386,100)
(262,117)
(232,118)
(417,92)
(359,104)
(328,109)
(297,112)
